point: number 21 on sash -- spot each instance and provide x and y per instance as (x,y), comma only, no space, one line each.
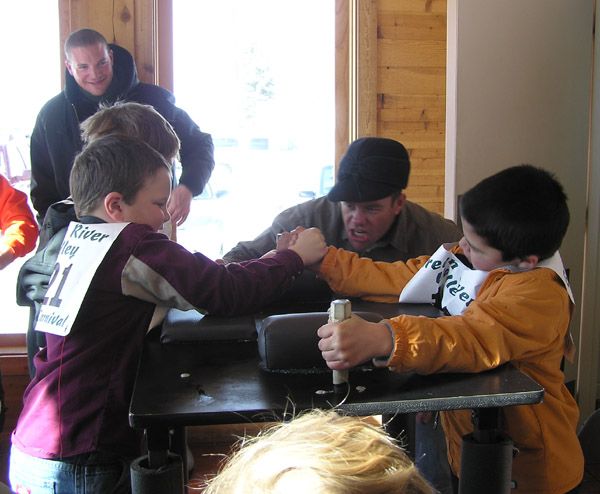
(55,301)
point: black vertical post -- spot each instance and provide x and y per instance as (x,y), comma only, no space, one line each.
(486,458)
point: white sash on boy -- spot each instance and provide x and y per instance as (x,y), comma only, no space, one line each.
(445,275)
(82,251)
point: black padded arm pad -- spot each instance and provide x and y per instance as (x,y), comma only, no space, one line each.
(182,326)
(289,342)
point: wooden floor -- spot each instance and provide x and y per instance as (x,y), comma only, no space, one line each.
(209,445)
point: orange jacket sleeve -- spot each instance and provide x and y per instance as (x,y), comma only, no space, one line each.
(18,225)
(354,276)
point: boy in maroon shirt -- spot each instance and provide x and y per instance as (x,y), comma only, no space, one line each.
(73,429)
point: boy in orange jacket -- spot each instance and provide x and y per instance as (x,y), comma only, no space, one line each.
(507,297)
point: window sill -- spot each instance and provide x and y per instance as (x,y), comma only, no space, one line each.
(13,344)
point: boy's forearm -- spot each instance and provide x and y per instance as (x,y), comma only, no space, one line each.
(348,273)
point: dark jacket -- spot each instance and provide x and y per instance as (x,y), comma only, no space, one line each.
(35,273)
(56,137)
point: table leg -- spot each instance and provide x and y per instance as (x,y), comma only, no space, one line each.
(159,471)
(158,446)
(486,458)
(179,446)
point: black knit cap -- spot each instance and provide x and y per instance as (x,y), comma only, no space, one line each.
(371,169)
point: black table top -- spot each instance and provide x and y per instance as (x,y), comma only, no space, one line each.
(218,382)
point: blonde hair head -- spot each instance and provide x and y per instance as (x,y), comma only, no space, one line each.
(320,452)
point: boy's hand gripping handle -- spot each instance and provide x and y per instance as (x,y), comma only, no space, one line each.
(340,310)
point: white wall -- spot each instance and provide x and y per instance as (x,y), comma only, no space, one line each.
(589,348)
(519,75)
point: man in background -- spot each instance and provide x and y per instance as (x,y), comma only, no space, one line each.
(98,73)
(365,212)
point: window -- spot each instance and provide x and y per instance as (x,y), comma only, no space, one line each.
(249,75)
(34,61)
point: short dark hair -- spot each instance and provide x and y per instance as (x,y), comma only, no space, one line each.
(83,37)
(520,211)
(135,120)
(113,163)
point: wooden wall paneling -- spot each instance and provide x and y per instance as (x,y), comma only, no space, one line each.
(427,109)
(343,16)
(128,23)
(419,82)
(113,18)
(411,89)
(122,23)
(367,72)
(414,6)
(164,43)
(146,40)
(413,26)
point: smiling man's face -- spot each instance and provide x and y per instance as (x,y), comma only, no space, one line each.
(91,67)
(367,222)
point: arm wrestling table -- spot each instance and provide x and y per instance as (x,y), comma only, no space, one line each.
(220,382)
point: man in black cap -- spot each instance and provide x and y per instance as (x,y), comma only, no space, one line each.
(366,212)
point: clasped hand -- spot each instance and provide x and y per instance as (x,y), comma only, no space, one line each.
(353,341)
(308,243)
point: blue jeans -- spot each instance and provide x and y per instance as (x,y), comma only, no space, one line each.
(93,473)
(430,455)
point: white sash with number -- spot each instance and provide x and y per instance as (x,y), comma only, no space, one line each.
(445,276)
(81,252)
